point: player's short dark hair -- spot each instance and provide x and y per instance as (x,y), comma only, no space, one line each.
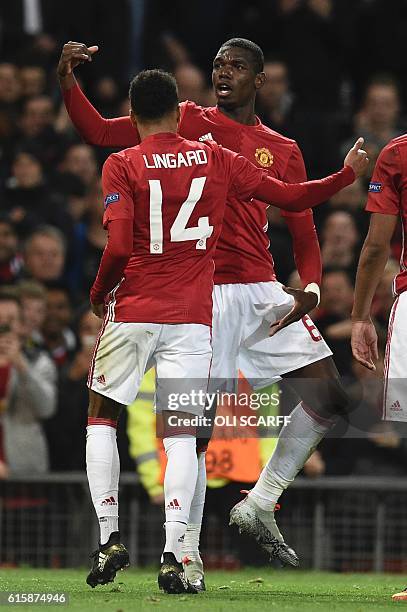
(153,94)
(248,45)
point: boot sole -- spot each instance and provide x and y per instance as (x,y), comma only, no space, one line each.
(248,523)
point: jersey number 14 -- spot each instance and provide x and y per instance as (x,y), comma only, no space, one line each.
(179,231)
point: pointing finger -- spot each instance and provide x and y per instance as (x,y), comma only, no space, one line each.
(358,144)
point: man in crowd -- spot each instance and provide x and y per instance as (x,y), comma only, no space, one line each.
(28,392)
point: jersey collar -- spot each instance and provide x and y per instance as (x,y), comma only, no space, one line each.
(222,118)
(162,136)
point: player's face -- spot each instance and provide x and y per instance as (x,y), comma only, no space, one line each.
(234,79)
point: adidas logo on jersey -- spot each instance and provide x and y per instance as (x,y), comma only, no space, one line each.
(396,406)
(173,505)
(110,501)
(101,379)
(207,136)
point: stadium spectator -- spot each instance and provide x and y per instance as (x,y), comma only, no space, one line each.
(275,100)
(30,379)
(10,84)
(44,254)
(33,81)
(28,198)
(340,239)
(10,91)
(378,120)
(80,160)
(57,335)
(315,27)
(333,316)
(37,115)
(352,198)
(37,132)
(11,262)
(191,84)
(33,298)
(107,94)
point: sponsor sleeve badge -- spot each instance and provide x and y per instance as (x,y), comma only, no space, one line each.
(375,187)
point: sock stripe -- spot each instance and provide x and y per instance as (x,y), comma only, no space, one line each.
(101,421)
(317,417)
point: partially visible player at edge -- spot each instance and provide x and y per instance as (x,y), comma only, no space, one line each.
(244,277)
(387,201)
(164,204)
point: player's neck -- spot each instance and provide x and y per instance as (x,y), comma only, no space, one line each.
(242,114)
(149,129)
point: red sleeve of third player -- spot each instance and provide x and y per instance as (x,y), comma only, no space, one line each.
(384,194)
(307,252)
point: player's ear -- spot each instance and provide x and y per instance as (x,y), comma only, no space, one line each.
(259,80)
(133,119)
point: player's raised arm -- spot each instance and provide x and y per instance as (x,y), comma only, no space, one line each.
(93,128)
(248,181)
(300,196)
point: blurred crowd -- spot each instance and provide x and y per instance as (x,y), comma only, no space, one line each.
(327,82)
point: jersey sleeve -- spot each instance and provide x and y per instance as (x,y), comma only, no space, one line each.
(95,129)
(384,192)
(117,192)
(295,172)
(249,181)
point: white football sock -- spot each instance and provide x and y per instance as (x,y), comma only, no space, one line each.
(190,547)
(179,487)
(103,470)
(297,441)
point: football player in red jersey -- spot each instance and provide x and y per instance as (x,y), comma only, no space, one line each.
(245,283)
(387,203)
(164,204)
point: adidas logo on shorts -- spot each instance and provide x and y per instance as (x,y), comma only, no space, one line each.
(173,505)
(396,406)
(110,501)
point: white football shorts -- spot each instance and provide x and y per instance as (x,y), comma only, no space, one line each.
(395,363)
(181,354)
(242,315)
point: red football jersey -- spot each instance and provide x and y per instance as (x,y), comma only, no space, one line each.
(388,194)
(173,191)
(242,255)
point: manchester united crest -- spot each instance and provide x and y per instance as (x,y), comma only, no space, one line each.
(264,157)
